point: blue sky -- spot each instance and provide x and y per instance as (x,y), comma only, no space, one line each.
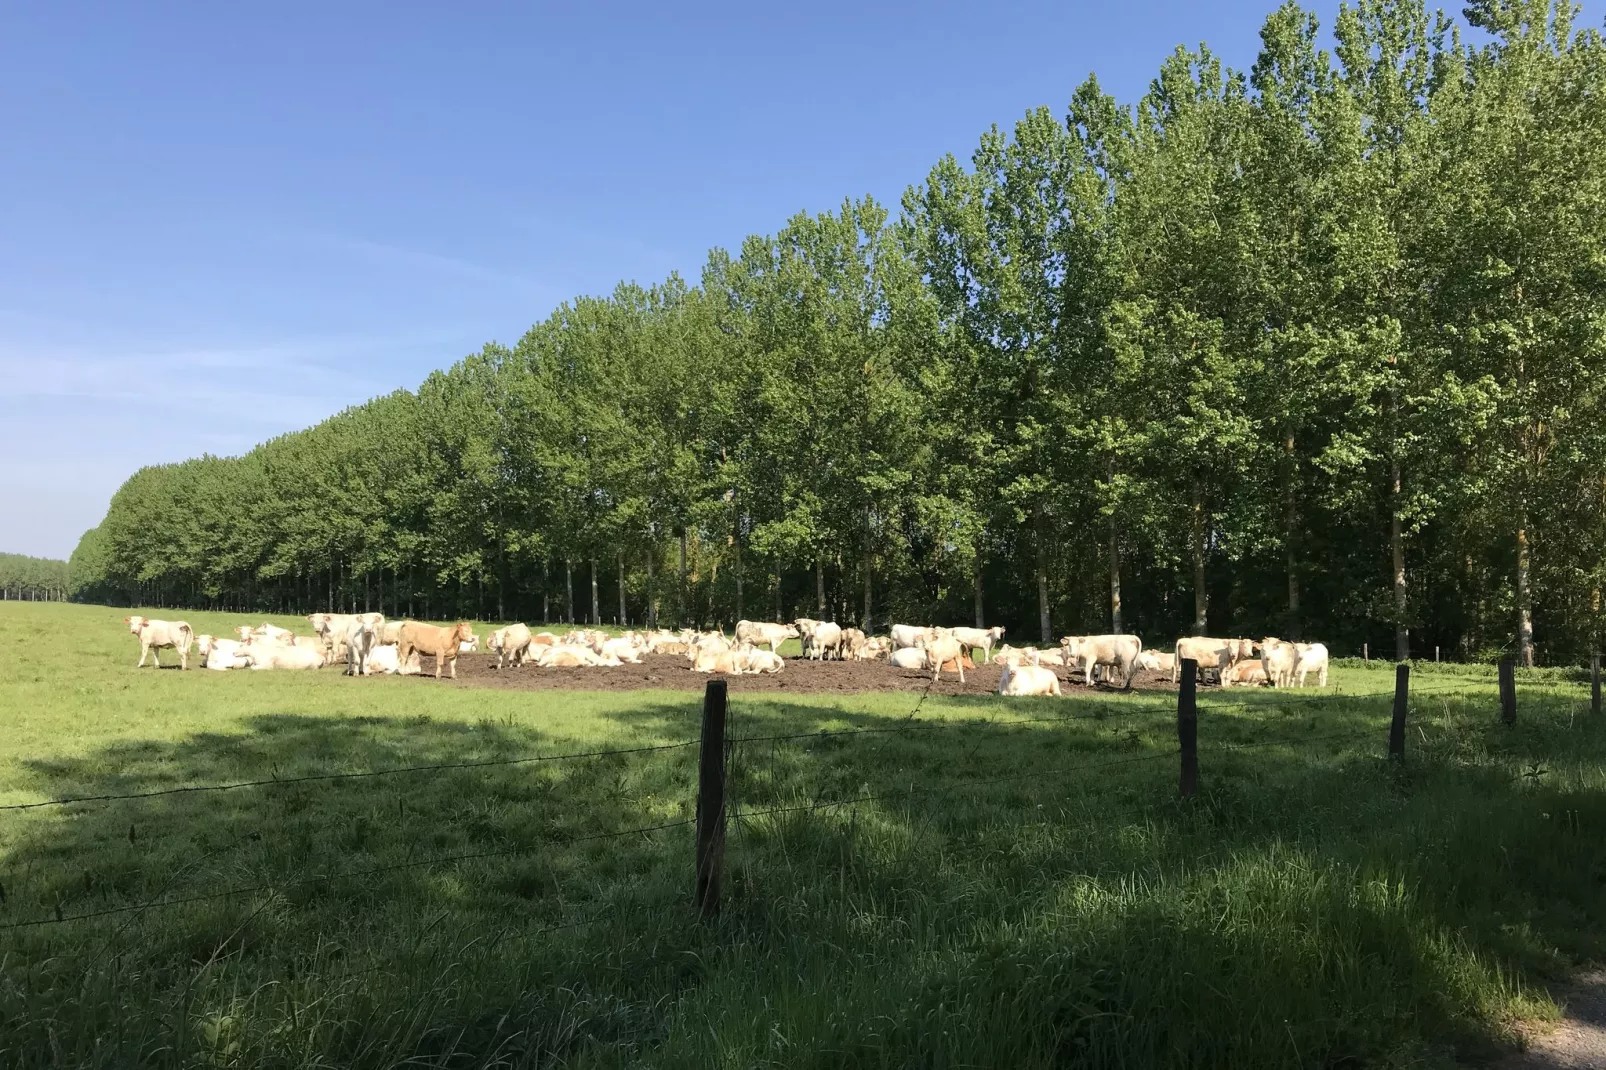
(223,222)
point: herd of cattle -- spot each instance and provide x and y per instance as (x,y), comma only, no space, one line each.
(368,644)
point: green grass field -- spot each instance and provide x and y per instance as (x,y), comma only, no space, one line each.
(1006,905)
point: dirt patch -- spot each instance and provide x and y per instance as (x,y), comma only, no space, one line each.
(1578,1041)
(666,673)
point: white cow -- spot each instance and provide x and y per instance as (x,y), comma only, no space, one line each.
(278,656)
(763,633)
(1156,661)
(982,639)
(1212,655)
(220,654)
(825,642)
(510,643)
(1312,659)
(908,635)
(1028,680)
(944,648)
(1277,661)
(158,635)
(1118,652)
(359,639)
(620,650)
(761,661)
(908,657)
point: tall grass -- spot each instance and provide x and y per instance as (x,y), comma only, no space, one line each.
(1001,893)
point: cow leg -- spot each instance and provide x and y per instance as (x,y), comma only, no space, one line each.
(143,650)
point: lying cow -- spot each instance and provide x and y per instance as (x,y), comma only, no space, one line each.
(158,635)
(1245,674)
(1028,680)
(221,654)
(279,656)
(442,643)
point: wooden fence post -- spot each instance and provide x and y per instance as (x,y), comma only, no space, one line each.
(1188,728)
(1508,692)
(1402,696)
(1594,684)
(711,800)
(1366,653)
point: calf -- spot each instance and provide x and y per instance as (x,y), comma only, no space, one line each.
(442,643)
(158,635)
(940,649)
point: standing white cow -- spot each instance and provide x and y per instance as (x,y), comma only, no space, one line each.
(1118,652)
(763,633)
(1277,661)
(909,635)
(511,643)
(825,642)
(940,649)
(157,635)
(1312,659)
(982,639)
(360,638)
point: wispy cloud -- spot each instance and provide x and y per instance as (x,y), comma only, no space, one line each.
(393,256)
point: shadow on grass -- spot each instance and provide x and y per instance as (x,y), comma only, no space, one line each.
(1316,905)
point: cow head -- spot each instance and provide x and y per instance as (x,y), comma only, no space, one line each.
(135,623)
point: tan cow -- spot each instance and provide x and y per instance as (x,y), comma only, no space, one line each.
(720,661)
(442,643)
(1244,674)
(1118,652)
(982,639)
(158,635)
(1028,680)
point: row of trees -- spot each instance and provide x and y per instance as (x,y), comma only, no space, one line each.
(1314,350)
(34,579)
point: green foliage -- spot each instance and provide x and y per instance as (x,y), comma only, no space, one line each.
(1313,349)
(35,578)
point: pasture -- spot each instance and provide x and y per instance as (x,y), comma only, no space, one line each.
(966,882)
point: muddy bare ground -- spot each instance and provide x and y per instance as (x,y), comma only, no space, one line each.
(666,673)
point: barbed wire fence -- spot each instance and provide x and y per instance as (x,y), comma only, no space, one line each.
(720,749)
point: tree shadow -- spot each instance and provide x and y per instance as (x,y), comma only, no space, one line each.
(1021,902)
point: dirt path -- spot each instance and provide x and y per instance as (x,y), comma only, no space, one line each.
(662,672)
(1578,1041)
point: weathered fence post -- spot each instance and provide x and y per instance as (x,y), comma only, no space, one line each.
(1508,692)
(1402,696)
(711,800)
(1188,728)
(1435,654)
(1594,684)
(1366,654)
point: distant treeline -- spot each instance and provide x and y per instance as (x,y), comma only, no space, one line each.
(1314,350)
(36,579)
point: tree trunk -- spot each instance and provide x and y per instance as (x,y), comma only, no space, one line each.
(652,595)
(1525,616)
(1201,594)
(980,616)
(865,623)
(777,597)
(546,592)
(624,617)
(819,584)
(1115,578)
(568,583)
(682,597)
(1290,534)
(596,606)
(738,547)
(1402,633)
(501,582)
(1043,623)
